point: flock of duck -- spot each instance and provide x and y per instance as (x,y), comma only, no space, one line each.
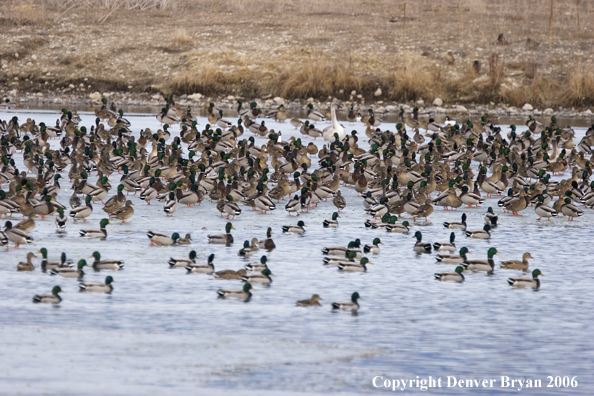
(406,172)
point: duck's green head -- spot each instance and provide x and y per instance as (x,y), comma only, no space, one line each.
(229,227)
(263,260)
(56,290)
(406,223)
(192,255)
(269,233)
(246,244)
(492,252)
(175,236)
(464,251)
(81,264)
(490,210)
(96,255)
(364,261)
(109,280)
(377,241)
(301,223)
(335,216)
(460,269)
(355,296)
(487,227)
(247,287)
(567,200)
(463,217)
(43,252)
(267,272)
(8,225)
(211,258)
(103,223)
(536,273)
(418,235)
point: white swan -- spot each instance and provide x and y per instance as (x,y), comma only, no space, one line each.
(334,128)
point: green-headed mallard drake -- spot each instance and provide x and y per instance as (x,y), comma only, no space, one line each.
(354,246)
(298,229)
(373,248)
(570,210)
(51,264)
(355,267)
(543,210)
(28,266)
(349,258)
(243,294)
(446,246)
(99,264)
(353,305)
(226,238)
(83,211)
(246,250)
(482,265)
(18,237)
(207,268)
(183,262)
(258,267)
(533,282)
(230,274)
(453,225)
(263,277)
(67,272)
(314,114)
(268,243)
(49,298)
(100,233)
(310,302)
(99,287)
(491,218)
(61,220)
(420,246)
(332,223)
(400,228)
(451,276)
(480,234)
(171,205)
(230,207)
(450,258)
(160,239)
(123,213)
(516,264)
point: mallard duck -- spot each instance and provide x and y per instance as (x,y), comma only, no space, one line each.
(44,208)
(453,225)
(294,205)
(533,282)
(353,246)
(83,211)
(333,223)
(26,225)
(451,276)
(352,305)
(187,240)
(264,203)
(67,272)
(400,228)
(258,266)
(339,201)
(298,229)
(263,277)
(491,218)
(310,302)
(106,287)
(296,122)
(249,248)
(420,246)
(446,246)
(99,264)
(51,264)
(480,234)
(207,268)
(230,274)
(469,198)
(515,264)
(183,262)
(100,233)
(268,243)
(543,210)
(231,208)
(243,294)
(355,267)
(482,265)
(570,210)
(61,220)
(314,115)
(373,248)
(115,202)
(18,237)
(349,258)
(449,258)
(226,238)
(170,206)
(124,213)
(160,239)
(53,298)
(28,266)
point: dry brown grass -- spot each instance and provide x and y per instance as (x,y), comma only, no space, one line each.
(180,37)
(580,89)
(24,14)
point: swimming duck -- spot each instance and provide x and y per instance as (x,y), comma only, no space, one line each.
(482,265)
(450,258)
(349,258)
(298,229)
(353,246)
(18,237)
(310,302)
(106,287)
(160,239)
(400,228)
(207,268)
(53,298)
(51,264)
(226,239)
(183,262)
(100,233)
(446,246)
(333,223)
(451,276)
(353,305)
(99,264)
(420,246)
(533,282)
(249,248)
(230,274)
(187,240)
(243,294)
(355,267)
(28,266)
(373,248)
(263,277)
(480,234)
(268,243)
(67,272)
(453,225)
(516,264)
(258,266)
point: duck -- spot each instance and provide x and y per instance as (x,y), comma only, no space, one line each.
(491,218)
(268,243)
(446,246)
(207,268)
(298,229)
(332,223)
(348,258)
(171,205)
(124,213)
(455,276)
(99,264)
(450,258)
(314,115)
(230,207)
(226,238)
(67,272)
(420,246)
(543,210)
(101,233)
(263,277)
(83,211)
(160,239)
(117,201)
(243,294)
(98,287)
(28,266)
(516,264)
(18,237)
(353,246)
(570,210)
(480,234)
(183,262)
(257,266)
(339,201)
(249,248)
(51,264)
(44,208)
(27,225)
(230,274)
(53,298)
(187,240)
(310,302)
(61,220)
(400,228)
(355,267)
(533,282)
(352,305)
(453,225)
(482,265)
(373,248)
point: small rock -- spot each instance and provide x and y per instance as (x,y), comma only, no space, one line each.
(391,108)
(195,97)
(156,96)
(16,55)
(130,87)
(440,109)
(548,111)
(359,96)
(279,101)
(437,102)
(378,92)
(527,107)
(71,86)
(34,57)
(588,113)
(231,98)
(4,66)
(420,102)
(461,109)
(353,93)
(310,100)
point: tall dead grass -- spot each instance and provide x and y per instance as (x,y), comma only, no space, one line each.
(580,87)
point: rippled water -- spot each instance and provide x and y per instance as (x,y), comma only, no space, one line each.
(162,331)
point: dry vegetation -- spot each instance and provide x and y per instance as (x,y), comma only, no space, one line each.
(309,48)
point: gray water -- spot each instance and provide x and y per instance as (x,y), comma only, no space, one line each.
(164,332)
